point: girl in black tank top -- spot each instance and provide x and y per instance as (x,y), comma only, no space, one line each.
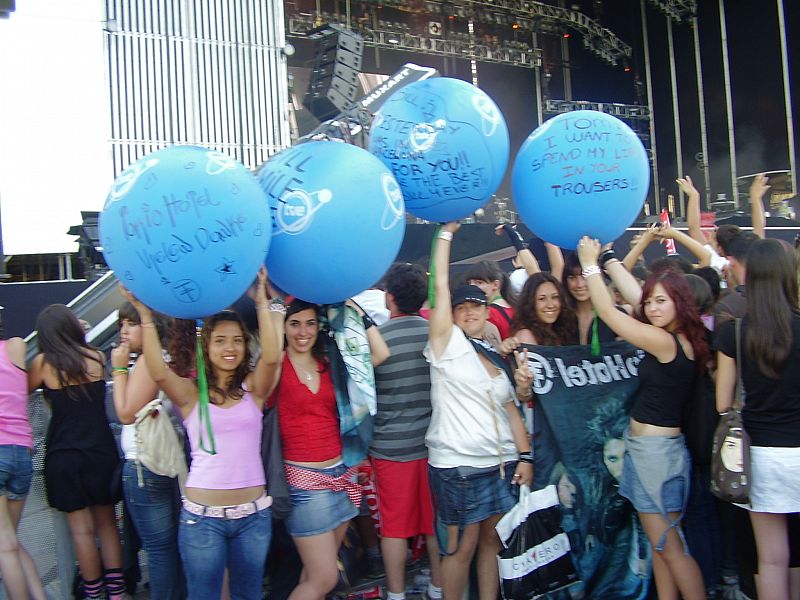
(671,333)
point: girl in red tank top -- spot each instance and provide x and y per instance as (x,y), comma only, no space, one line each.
(323,491)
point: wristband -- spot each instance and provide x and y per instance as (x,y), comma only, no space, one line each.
(590,270)
(515,237)
(367,320)
(526,457)
(148,324)
(606,256)
(447,236)
(119,370)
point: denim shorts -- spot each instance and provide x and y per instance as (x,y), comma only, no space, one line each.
(672,490)
(466,495)
(319,511)
(16,472)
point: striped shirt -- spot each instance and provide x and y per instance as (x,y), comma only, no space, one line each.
(403,383)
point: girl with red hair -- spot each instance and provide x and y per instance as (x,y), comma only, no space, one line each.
(656,465)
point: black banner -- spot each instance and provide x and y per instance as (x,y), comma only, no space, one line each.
(580,413)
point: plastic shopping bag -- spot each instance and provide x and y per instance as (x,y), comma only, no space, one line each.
(535,558)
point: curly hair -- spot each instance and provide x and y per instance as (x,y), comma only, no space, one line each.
(561,333)
(687,317)
(234,388)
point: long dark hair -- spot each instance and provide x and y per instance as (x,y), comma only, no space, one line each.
(687,316)
(181,347)
(318,349)
(561,333)
(62,342)
(234,388)
(488,271)
(572,267)
(772,300)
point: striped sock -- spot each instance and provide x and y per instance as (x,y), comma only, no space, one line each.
(93,588)
(115,584)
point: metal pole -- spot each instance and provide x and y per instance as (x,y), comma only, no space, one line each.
(701,101)
(787,94)
(676,113)
(728,102)
(566,69)
(646,45)
(538,76)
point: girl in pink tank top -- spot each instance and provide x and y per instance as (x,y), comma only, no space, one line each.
(16,469)
(225,521)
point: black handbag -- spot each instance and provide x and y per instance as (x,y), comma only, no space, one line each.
(730,457)
(272,457)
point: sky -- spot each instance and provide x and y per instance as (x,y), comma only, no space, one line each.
(54,156)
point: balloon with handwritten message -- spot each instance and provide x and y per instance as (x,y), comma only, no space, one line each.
(338,220)
(186,230)
(580,173)
(447,144)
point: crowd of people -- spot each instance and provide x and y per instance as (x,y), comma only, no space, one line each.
(449,447)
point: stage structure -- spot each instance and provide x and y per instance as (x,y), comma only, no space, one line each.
(193,72)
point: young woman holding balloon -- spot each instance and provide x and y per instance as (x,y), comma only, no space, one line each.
(323,491)
(226,519)
(655,474)
(82,455)
(476,440)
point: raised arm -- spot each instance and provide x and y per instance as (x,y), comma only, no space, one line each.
(758,189)
(525,257)
(378,348)
(440,322)
(181,391)
(265,375)
(132,389)
(625,283)
(644,240)
(649,338)
(556,258)
(692,209)
(692,245)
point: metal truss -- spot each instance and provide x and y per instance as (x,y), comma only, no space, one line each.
(534,16)
(677,10)
(463,47)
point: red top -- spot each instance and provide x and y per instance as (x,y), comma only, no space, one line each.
(309,422)
(501,317)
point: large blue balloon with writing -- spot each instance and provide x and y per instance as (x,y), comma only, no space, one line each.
(186,230)
(580,173)
(338,220)
(446,142)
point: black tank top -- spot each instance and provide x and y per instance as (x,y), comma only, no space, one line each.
(664,389)
(78,419)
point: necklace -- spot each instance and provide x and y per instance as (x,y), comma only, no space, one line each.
(301,371)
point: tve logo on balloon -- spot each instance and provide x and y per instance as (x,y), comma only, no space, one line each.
(580,173)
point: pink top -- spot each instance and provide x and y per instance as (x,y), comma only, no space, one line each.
(15,429)
(237,434)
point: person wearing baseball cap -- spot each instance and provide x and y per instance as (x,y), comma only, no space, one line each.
(478,448)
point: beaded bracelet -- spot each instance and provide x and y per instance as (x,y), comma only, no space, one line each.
(590,270)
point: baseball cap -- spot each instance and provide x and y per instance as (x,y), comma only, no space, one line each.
(468,293)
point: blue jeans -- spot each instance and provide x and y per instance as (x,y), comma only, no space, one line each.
(209,544)
(16,471)
(154,512)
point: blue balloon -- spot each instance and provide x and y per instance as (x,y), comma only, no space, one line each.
(446,142)
(580,173)
(186,230)
(338,220)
